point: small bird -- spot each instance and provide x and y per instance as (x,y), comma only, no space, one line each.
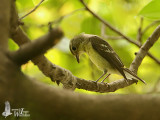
(101,54)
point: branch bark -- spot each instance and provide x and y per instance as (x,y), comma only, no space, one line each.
(4,22)
(32,49)
(63,104)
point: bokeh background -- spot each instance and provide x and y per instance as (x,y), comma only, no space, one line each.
(125,15)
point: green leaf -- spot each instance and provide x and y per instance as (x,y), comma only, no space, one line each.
(91,26)
(151,10)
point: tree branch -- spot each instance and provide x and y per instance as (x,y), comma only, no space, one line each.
(46,103)
(37,47)
(64,16)
(139,35)
(5,14)
(118,32)
(154,58)
(31,10)
(108,37)
(144,49)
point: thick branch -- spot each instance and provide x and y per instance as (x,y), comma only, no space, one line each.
(64,104)
(144,49)
(32,49)
(5,8)
(48,103)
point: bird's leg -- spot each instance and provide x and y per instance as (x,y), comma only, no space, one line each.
(126,81)
(105,78)
(101,76)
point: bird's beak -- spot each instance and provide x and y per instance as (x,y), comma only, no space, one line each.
(77,57)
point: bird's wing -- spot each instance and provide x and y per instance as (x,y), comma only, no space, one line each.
(106,51)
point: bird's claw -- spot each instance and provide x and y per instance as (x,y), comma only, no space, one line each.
(127,81)
(96,85)
(105,83)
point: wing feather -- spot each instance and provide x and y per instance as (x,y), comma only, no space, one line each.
(107,52)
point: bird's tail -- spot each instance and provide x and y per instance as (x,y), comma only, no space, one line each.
(133,74)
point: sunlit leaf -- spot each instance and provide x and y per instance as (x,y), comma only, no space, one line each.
(151,10)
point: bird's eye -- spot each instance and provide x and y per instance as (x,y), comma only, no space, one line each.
(74,48)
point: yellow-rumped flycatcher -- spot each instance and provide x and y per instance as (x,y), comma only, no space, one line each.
(101,54)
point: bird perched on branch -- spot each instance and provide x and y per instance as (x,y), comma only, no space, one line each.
(101,54)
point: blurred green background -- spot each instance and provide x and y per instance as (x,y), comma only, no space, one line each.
(124,15)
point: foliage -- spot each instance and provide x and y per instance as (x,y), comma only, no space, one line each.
(151,10)
(122,14)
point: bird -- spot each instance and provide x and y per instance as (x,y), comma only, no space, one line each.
(101,54)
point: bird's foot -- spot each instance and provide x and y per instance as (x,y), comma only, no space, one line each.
(105,83)
(127,81)
(96,85)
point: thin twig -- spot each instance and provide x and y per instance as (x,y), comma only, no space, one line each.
(109,25)
(32,10)
(150,25)
(139,35)
(58,20)
(39,46)
(154,58)
(108,37)
(67,15)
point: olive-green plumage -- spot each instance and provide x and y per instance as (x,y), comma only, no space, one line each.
(100,53)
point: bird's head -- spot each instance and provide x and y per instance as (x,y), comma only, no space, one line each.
(76,46)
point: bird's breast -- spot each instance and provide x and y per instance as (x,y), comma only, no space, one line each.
(98,60)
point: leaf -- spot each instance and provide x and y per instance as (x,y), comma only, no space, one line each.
(151,10)
(91,26)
